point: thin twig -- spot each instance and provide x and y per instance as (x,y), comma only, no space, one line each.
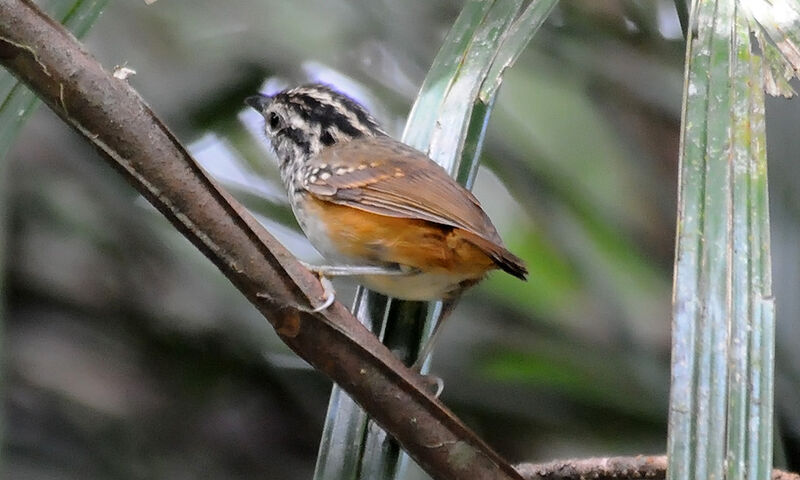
(652,467)
(113,118)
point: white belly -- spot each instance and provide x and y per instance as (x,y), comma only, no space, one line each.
(425,286)
(317,234)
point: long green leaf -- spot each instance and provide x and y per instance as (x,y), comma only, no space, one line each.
(17,103)
(449,121)
(452,122)
(424,113)
(723,318)
(519,35)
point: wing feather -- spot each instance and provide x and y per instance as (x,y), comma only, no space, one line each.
(385,177)
(410,186)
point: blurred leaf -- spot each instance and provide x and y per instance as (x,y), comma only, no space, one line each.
(593,201)
(553,286)
(653,79)
(591,378)
(17,103)
(220,156)
(723,319)
(570,145)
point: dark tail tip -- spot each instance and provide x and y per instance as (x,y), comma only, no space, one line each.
(512,264)
(505,260)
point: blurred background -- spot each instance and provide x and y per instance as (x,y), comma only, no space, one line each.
(126,355)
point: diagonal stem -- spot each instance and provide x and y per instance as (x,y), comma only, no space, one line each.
(113,118)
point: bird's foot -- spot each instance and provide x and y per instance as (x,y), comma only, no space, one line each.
(433,385)
(328,294)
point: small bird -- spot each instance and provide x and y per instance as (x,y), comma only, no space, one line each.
(375,208)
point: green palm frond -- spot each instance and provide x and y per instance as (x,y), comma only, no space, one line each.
(723,318)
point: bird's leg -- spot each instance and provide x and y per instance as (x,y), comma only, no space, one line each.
(435,383)
(356,270)
(326,271)
(448,305)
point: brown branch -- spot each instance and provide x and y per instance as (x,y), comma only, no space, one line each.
(611,468)
(112,116)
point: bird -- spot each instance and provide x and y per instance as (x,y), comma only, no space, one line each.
(377,209)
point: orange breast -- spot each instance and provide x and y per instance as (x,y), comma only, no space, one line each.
(420,244)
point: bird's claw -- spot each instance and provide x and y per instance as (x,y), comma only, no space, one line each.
(433,385)
(328,292)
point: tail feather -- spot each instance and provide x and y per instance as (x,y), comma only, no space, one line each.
(504,259)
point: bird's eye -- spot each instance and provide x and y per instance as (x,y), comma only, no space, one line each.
(274,121)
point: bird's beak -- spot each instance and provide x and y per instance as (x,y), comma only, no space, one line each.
(258,102)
